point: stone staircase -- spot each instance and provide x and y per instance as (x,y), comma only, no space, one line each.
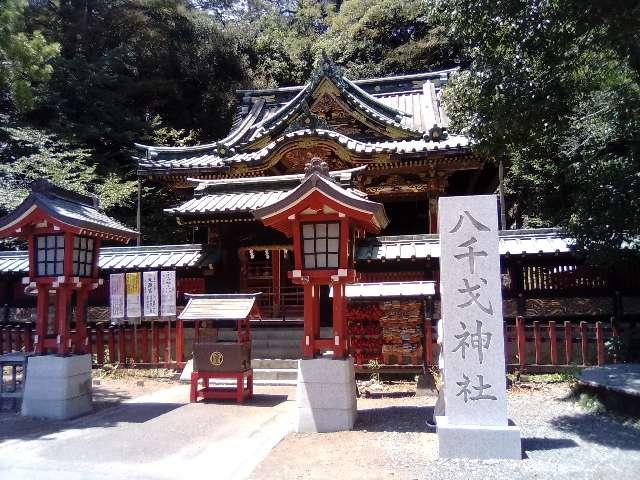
(275,352)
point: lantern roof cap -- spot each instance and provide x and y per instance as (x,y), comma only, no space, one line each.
(66,211)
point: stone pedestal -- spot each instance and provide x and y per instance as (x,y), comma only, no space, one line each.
(478,441)
(57,387)
(326,395)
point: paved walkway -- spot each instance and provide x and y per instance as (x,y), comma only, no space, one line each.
(157,436)
(621,377)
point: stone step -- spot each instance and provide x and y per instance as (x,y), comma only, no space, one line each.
(288,354)
(274,363)
(231,383)
(275,374)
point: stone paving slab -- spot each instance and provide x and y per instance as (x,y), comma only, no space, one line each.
(621,377)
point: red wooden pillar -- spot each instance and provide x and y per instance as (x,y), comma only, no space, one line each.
(568,342)
(537,341)
(553,346)
(339,323)
(584,342)
(600,343)
(62,321)
(100,344)
(522,342)
(42,317)
(309,321)
(275,280)
(28,344)
(179,341)
(81,322)
(433,213)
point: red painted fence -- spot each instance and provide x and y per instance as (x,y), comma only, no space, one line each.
(164,344)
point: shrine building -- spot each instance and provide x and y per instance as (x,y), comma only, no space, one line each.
(387,140)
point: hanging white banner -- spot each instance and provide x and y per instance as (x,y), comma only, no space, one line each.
(150,291)
(116,295)
(168,293)
(133,295)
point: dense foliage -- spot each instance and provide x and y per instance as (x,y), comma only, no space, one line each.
(549,86)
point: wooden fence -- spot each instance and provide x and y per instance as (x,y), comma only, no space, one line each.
(550,344)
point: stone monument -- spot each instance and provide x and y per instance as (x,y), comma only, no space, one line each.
(475,423)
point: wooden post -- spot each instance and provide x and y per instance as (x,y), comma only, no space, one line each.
(145,346)
(428,341)
(100,344)
(28,344)
(537,342)
(81,323)
(553,346)
(62,320)
(584,342)
(155,344)
(309,314)
(42,317)
(122,350)
(275,280)
(180,341)
(522,341)
(112,347)
(600,344)
(339,323)
(568,342)
(167,352)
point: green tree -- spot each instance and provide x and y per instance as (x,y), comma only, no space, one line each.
(385,37)
(553,88)
(24,56)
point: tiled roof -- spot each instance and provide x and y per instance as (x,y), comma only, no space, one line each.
(409,103)
(228,202)
(70,208)
(122,258)
(511,242)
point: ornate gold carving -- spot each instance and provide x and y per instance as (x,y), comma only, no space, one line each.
(216,359)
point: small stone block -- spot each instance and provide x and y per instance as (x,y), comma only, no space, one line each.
(327,395)
(57,409)
(478,441)
(53,366)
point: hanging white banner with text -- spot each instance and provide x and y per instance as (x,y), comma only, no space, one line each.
(133,295)
(168,293)
(116,295)
(150,293)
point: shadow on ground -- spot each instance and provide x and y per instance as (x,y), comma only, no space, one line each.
(13,426)
(394,419)
(600,429)
(532,444)
(259,400)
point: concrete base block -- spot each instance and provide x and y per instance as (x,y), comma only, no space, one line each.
(478,441)
(326,395)
(57,387)
(321,420)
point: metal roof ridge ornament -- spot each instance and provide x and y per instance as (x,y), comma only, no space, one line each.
(317,166)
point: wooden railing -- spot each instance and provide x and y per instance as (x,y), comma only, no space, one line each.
(527,345)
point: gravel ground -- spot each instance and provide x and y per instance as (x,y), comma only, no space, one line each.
(391,440)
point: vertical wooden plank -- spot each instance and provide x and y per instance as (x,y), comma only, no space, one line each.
(309,309)
(568,342)
(584,342)
(61,318)
(167,351)
(276,259)
(145,345)
(522,341)
(339,322)
(155,342)
(553,345)
(42,316)
(28,343)
(600,344)
(537,342)
(112,346)
(122,349)
(428,341)
(179,341)
(99,344)
(507,347)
